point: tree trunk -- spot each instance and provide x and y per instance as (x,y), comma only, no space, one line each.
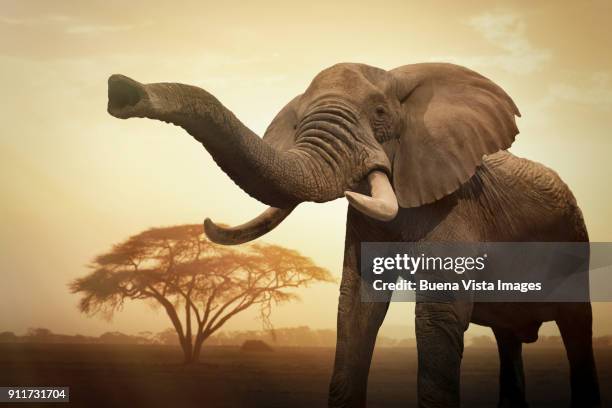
(197,347)
(188,343)
(188,353)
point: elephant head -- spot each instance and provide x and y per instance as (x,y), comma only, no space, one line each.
(415,134)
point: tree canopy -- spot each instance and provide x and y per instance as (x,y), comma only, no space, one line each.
(200,285)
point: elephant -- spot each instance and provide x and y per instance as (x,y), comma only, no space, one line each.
(421,154)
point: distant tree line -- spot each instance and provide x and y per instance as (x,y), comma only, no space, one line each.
(42,335)
(302,336)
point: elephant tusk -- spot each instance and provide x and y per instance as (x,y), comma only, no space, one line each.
(258,226)
(382,206)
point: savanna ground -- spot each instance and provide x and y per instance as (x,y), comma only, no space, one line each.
(150,376)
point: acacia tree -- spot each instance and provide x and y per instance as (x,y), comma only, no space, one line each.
(199,284)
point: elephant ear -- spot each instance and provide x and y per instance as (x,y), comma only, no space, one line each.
(281,131)
(452,118)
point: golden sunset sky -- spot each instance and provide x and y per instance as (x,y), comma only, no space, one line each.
(76,180)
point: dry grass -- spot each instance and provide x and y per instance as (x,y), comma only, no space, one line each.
(150,376)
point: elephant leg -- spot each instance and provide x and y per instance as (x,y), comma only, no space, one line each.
(511,375)
(575,325)
(358,324)
(439,333)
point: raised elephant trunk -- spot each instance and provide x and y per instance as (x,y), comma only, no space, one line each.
(321,166)
(279,179)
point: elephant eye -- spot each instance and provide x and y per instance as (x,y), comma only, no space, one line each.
(380,110)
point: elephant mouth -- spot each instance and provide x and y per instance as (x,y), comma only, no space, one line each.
(381,205)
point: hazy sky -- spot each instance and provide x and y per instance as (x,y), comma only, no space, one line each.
(75,180)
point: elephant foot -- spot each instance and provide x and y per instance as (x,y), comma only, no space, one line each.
(508,403)
(588,403)
(343,395)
